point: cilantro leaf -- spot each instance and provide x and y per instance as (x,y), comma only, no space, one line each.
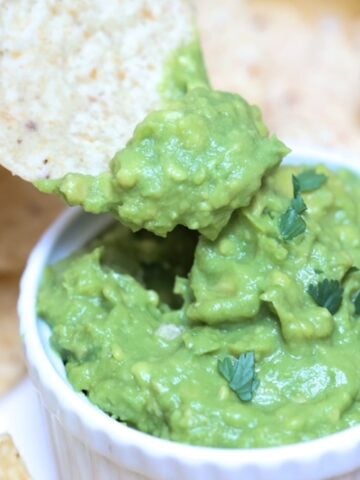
(327,294)
(297,203)
(226,367)
(357,303)
(240,374)
(291,224)
(296,186)
(310,180)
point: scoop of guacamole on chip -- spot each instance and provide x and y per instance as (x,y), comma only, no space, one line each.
(192,164)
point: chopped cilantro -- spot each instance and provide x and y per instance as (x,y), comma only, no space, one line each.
(357,303)
(327,294)
(298,205)
(291,222)
(240,374)
(296,186)
(297,202)
(310,180)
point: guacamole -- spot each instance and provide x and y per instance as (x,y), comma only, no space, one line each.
(180,158)
(155,330)
(225,310)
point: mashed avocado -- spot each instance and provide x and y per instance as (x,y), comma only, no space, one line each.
(149,328)
(245,334)
(180,158)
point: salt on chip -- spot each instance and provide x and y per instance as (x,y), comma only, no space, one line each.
(12,466)
(76,77)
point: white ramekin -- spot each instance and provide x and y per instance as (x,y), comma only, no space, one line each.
(90,445)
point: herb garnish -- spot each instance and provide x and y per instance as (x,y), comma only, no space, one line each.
(291,222)
(357,303)
(327,294)
(240,374)
(310,180)
(297,202)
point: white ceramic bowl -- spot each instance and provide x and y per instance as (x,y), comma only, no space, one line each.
(90,445)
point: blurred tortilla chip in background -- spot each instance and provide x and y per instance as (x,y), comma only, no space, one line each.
(11,465)
(297,59)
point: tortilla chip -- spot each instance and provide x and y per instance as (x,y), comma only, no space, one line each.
(76,77)
(299,61)
(11,359)
(24,215)
(12,466)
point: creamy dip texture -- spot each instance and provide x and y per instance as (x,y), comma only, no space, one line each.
(240,325)
(180,158)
